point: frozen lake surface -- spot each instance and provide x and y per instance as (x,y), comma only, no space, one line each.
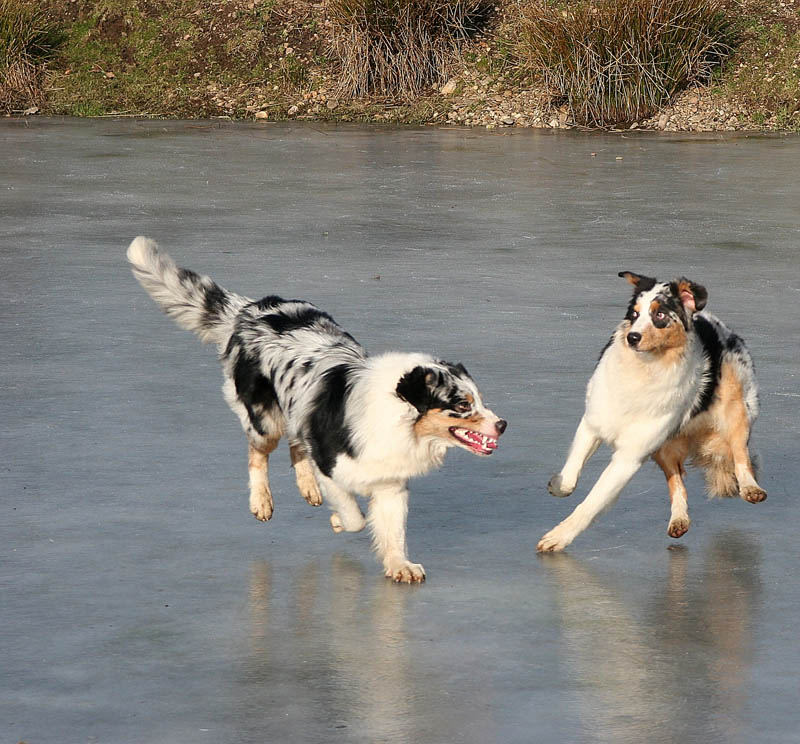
(142,603)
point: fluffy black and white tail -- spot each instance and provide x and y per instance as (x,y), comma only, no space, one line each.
(195,302)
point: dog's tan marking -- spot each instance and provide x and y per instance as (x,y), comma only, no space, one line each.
(261,505)
(304,475)
(737,429)
(436,423)
(717,442)
(670,341)
(670,458)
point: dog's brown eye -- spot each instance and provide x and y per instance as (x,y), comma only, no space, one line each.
(462,406)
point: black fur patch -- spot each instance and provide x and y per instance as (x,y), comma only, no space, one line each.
(735,344)
(419,388)
(605,348)
(256,391)
(457,370)
(713,349)
(215,302)
(631,306)
(642,283)
(188,275)
(327,431)
(282,323)
(673,302)
(668,305)
(269,302)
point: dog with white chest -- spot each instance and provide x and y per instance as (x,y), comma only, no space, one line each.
(673,383)
(356,425)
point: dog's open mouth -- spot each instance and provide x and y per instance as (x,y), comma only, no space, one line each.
(482,444)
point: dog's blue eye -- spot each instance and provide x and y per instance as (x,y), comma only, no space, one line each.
(660,316)
(634,315)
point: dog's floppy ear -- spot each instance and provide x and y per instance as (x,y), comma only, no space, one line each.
(642,283)
(692,296)
(416,387)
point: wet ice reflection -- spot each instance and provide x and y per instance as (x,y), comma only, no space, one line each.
(142,604)
(675,663)
(344,647)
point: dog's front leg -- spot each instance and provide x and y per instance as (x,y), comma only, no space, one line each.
(346,514)
(613,479)
(388,511)
(584,445)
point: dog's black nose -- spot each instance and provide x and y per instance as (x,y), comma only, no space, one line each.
(634,338)
(501,426)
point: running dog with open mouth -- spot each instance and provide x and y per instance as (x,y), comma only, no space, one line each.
(356,425)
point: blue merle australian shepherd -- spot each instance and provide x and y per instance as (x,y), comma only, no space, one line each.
(672,383)
(355,424)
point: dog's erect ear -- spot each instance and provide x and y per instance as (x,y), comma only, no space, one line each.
(415,387)
(458,369)
(642,283)
(692,296)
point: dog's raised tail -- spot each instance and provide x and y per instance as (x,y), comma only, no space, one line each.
(195,302)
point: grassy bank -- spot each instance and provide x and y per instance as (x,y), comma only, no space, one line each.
(285,59)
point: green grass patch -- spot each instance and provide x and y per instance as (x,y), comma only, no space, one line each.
(764,74)
(184,58)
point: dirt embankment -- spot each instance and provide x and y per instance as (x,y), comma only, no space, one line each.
(269,59)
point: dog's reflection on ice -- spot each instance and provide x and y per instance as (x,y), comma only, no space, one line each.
(341,634)
(668,663)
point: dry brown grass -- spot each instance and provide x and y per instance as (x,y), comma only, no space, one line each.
(397,48)
(28,39)
(616,61)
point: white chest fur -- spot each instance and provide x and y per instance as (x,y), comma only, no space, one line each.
(635,400)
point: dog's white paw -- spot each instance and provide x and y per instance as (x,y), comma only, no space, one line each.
(309,490)
(354,522)
(406,572)
(261,506)
(556,540)
(678,527)
(557,487)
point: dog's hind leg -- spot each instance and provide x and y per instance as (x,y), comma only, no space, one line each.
(258,468)
(670,459)
(612,480)
(736,425)
(388,511)
(304,475)
(346,514)
(584,445)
